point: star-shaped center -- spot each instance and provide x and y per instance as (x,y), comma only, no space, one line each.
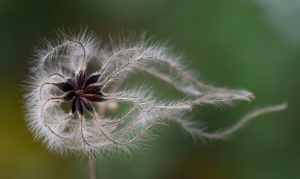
(82,91)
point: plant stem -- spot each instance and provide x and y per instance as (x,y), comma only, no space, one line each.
(92,168)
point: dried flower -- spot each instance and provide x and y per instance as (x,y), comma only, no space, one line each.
(67,110)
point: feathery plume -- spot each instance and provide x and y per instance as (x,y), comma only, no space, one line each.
(74,82)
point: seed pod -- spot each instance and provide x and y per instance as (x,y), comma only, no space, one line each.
(87,105)
(80,78)
(79,106)
(73,105)
(94,97)
(68,96)
(92,79)
(92,89)
(64,86)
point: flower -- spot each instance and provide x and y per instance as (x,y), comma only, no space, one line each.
(70,112)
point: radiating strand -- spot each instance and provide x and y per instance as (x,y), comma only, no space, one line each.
(115,55)
(43,118)
(65,44)
(47,83)
(227,132)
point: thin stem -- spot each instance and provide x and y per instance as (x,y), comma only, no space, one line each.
(92,168)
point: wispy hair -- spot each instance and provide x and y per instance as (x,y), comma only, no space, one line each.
(88,125)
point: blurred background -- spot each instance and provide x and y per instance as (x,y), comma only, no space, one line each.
(250,44)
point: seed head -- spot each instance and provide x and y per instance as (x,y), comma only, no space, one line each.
(80,97)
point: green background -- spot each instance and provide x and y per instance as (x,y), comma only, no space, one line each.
(234,43)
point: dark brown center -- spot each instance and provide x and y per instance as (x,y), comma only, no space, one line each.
(79,93)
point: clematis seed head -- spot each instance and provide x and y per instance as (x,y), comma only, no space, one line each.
(105,110)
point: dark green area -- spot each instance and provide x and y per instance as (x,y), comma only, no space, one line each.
(238,44)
